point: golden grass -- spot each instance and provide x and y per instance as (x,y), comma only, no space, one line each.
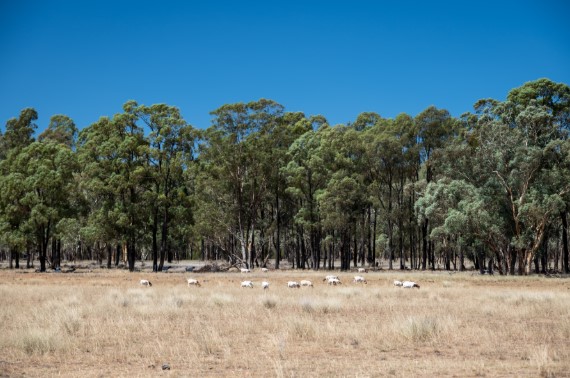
(104,324)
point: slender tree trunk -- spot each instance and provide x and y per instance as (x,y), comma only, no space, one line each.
(163,239)
(374,238)
(303,251)
(58,254)
(109,255)
(131,253)
(565,255)
(43,242)
(355,252)
(424,244)
(544,255)
(370,258)
(252,250)
(461,259)
(53,252)
(12,255)
(278,223)
(118,251)
(154,230)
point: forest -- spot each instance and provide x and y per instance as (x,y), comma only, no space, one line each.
(488,190)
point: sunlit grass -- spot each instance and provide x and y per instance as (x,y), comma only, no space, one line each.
(455,325)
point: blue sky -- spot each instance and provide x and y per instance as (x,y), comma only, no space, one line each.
(334,58)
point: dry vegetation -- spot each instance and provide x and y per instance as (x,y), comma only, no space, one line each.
(102,323)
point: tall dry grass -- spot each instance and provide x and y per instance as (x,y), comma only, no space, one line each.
(105,324)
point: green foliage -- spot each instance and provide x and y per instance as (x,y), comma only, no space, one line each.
(496,181)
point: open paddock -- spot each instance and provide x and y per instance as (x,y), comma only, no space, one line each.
(104,323)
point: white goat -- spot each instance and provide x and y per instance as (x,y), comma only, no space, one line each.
(247,284)
(359,279)
(264,270)
(145,283)
(306,283)
(397,283)
(362,270)
(334,281)
(265,285)
(293,284)
(245,270)
(192,281)
(410,284)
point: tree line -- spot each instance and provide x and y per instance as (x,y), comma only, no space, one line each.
(490,188)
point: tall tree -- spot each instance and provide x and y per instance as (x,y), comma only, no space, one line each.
(233,179)
(114,178)
(435,126)
(171,150)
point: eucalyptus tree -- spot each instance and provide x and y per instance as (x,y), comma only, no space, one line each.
(232,180)
(307,174)
(513,158)
(44,172)
(276,142)
(343,199)
(171,149)
(113,178)
(384,154)
(18,135)
(554,98)
(434,127)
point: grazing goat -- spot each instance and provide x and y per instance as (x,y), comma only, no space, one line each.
(330,277)
(306,283)
(145,283)
(265,285)
(293,284)
(359,279)
(247,284)
(410,284)
(397,283)
(334,281)
(245,270)
(362,270)
(192,281)
(264,270)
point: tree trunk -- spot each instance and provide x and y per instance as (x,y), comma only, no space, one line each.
(355,252)
(369,259)
(154,231)
(11,263)
(43,241)
(131,253)
(58,254)
(424,244)
(163,239)
(374,239)
(53,252)
(278,223)
(563,216)
(252,250)
(461,259)
(109,255)
(118,255)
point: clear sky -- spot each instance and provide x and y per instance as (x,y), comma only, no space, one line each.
(85,58)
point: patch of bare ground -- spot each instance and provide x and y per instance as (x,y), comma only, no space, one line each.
(103,323)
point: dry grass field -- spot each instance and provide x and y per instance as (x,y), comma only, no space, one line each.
(102,323)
